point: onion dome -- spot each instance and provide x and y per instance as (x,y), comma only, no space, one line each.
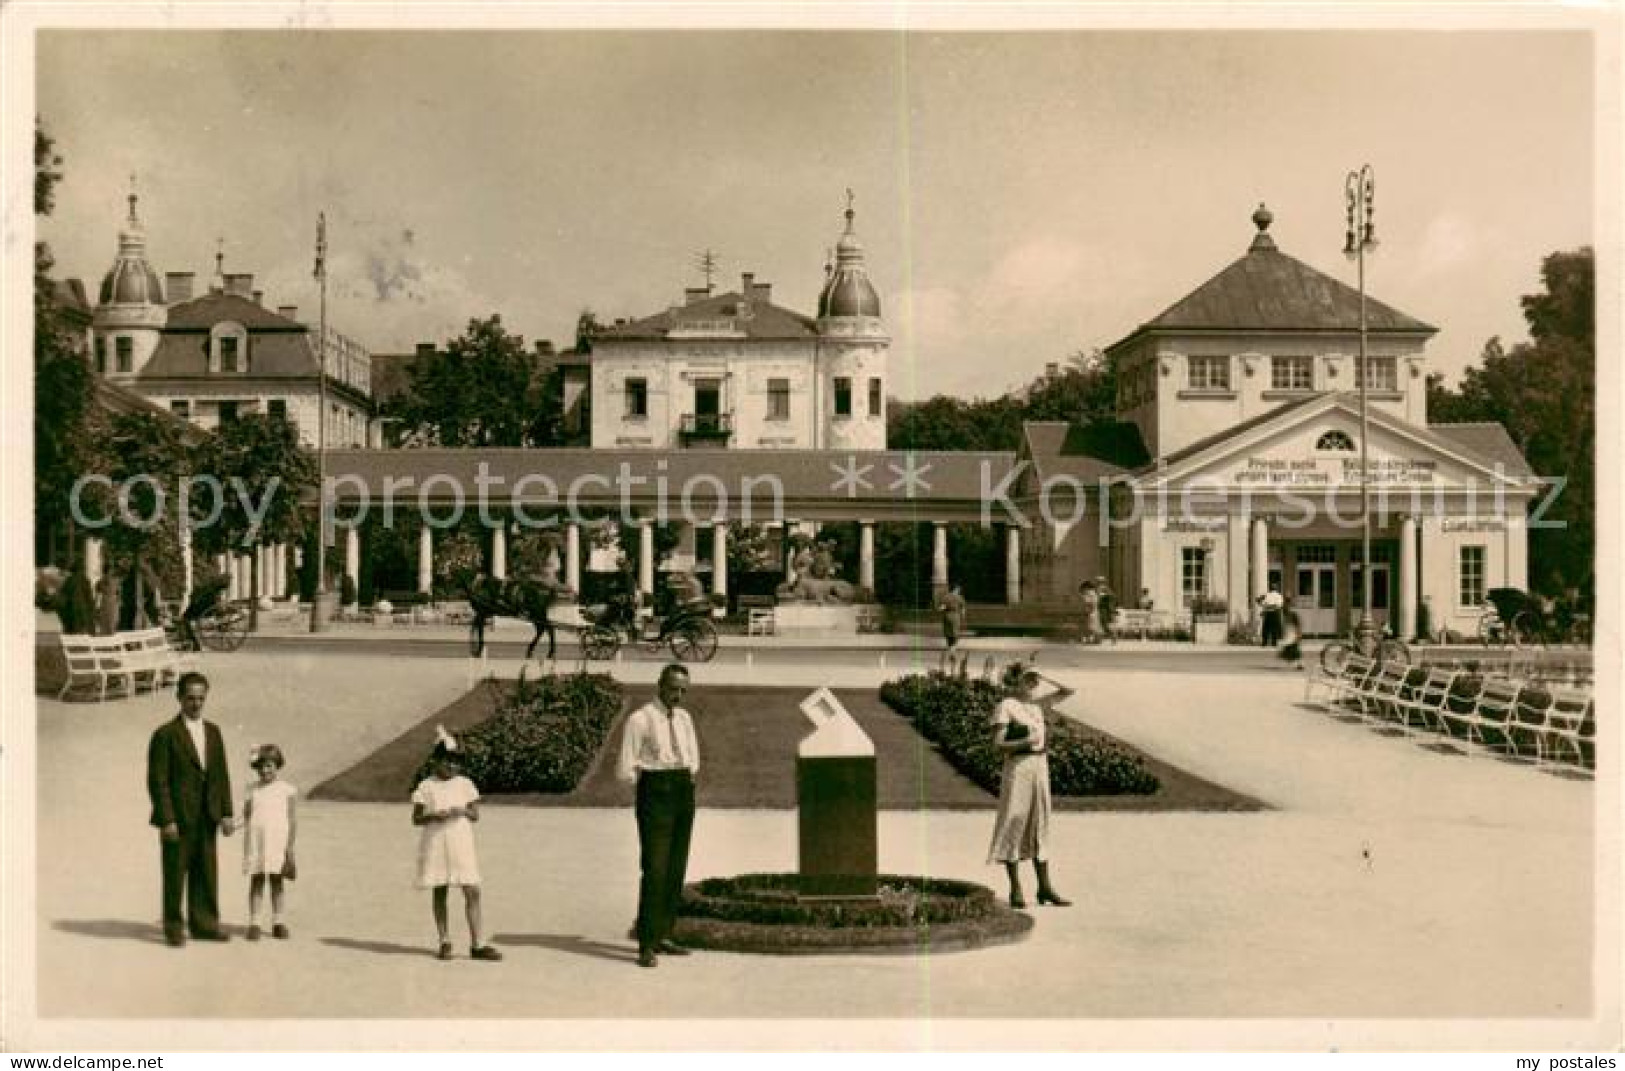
(131,280)
(848,291)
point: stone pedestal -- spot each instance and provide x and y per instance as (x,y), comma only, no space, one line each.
(838,829)
(815,619)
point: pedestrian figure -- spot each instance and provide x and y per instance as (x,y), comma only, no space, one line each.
(1108,608)
(269,826)
(1021,830)
(1270,605)
(1292,628)
(190,789)
(953,617)
(661,754)
(445,806)
(1091,612)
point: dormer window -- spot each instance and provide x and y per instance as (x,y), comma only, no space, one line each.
(1384,373)
(228,349)
(1336,441)
(1292,373)
(1210,373)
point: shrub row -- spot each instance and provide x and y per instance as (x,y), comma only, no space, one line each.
(771,899)
(956,714)
(543,736)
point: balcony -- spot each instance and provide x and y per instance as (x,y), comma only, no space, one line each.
(706,429)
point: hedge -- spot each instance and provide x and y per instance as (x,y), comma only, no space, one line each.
(956,713)
(543,736)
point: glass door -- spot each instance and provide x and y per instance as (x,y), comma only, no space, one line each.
(1315,592)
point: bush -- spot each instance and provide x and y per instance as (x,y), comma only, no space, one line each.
(956,713)
(543,735)
(772,899)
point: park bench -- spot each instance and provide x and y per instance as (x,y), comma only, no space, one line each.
(126,660)
(1425,699)
(150,657)
(1571,721)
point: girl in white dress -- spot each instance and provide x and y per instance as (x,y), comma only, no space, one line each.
(269,823)
(1021,830)
(445,807)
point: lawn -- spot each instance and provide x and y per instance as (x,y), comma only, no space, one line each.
(748,739)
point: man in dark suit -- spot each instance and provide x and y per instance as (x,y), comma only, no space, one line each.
(190,787)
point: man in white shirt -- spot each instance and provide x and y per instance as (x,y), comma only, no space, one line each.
(660,752)
(1270,605)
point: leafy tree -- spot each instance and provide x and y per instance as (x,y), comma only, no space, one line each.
(481,389)
(66,423)
(1083,392)
(257,458)
(1544,393)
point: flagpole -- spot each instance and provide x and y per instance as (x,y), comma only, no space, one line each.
(319,603)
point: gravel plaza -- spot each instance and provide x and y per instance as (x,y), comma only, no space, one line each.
(1392,895)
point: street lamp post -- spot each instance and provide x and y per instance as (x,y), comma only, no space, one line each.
(1360,236)
(320,605)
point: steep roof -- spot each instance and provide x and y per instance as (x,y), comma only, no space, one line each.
(754,319)
(1266,290)
(1487,441)
(204,312)
(270,356)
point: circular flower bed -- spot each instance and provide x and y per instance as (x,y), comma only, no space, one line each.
(762,913)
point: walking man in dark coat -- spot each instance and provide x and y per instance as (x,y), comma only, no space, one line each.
(189,784)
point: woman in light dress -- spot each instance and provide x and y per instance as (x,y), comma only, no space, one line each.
(445,807)
(1021,830)
(270,825)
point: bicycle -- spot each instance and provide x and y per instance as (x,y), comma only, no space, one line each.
(1372,645)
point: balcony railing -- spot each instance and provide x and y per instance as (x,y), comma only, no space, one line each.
(706,426)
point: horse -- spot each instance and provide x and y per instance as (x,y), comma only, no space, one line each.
(490,597)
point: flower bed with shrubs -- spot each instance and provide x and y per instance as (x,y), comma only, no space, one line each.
(542,737)
(762,913)
(956,714)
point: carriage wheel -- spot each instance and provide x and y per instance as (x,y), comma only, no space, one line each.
(1525,629)
(599,643)
(225,629)
(1332,657)
(1394,651)
(694,641)
(1491,632)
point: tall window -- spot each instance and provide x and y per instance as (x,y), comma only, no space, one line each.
(182,408)
(123,354)
(277,408)
(101,355)
(637,399)
(1292,373)
(843,396)
(228,353)
(1470,575)
(1192,575)
(778,399)
(876,402)
(1210,373)
(228,413)
(1384,372)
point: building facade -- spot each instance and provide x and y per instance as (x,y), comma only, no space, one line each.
(1235,465)
(214,357)
(736,371)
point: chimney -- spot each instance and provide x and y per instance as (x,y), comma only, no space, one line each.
(691,294)
(746,278)
(290,312)
(178,285)
(425,349)
(1052,370)
(759,292)
(240,283)
(259,297)
(544,347)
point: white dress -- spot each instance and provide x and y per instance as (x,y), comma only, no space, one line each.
(446,847)
(265,840)
(1022,828)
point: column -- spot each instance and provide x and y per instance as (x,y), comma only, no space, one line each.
(279,570)
(1405,623)
(262,556)
(646,557)
(1235,546)
(1259,560)
(939,560)
(425,559)
(222,565)
(94,562)
(240,566)
(352,556)
(1012,564)
(719,560)
(185,534)
(499,551)
(572,557)
(866,555)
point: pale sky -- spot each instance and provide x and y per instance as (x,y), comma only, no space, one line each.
(1021,196)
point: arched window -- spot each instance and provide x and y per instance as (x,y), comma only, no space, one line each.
(1335,440)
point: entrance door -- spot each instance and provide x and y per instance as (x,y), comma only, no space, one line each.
(1315,593)
(1381,579)
(707,404)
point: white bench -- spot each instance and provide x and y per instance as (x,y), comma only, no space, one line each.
(148,653)
(128,660)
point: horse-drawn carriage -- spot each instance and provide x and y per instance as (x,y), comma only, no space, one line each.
(1516,618)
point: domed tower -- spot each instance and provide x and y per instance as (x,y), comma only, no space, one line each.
(130,311)
(852,351)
